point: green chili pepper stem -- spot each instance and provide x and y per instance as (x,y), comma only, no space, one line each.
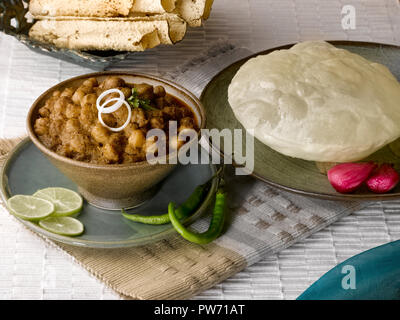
(216,225)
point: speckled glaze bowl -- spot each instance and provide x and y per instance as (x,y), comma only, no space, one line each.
(114,186)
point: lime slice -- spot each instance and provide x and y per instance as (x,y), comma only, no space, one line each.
(30,208)
(65,226)
(66,202)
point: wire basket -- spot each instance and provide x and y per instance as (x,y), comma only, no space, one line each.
(15,22)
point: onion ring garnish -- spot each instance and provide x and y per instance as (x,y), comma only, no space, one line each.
(115,106)
(126,122)
(102,108)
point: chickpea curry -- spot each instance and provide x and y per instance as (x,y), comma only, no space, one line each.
(68,122)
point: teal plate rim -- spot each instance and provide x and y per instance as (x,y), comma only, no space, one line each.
(376,277)
(319,195)
(92,243)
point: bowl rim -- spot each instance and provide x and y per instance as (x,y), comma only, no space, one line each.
(135,165)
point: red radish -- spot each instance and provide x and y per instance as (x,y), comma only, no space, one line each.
(384,179)
(347,177)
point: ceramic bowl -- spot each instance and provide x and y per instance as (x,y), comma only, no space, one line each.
(114,186)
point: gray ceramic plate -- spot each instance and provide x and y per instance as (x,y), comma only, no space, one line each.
(27,170)
(288,173)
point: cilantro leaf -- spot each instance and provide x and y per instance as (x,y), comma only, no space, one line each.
(136,102)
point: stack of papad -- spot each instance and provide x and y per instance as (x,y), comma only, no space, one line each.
(121,25)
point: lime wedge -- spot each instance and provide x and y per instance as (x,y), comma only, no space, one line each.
(30,208)
(66,202)
(65,226)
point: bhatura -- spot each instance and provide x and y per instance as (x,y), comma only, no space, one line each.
(317,102)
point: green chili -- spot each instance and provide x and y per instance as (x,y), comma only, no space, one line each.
(184,211)
(216,225)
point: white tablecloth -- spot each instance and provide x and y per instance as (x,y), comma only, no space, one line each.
(31,269)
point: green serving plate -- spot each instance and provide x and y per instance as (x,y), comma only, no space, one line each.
(26,170)
(288,173)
